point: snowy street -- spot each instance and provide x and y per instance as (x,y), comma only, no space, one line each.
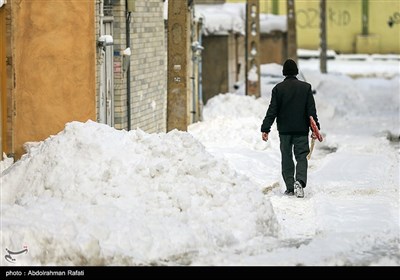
(352,201)
(93,195)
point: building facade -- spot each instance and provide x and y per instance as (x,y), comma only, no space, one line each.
(68,60)
(132,71)
(353,26)
(48,77)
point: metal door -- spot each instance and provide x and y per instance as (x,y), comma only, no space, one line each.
(106,110)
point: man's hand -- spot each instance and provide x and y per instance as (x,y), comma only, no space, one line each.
(313,136)
(264,136)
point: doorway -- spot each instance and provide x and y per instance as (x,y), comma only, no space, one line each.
(106,106)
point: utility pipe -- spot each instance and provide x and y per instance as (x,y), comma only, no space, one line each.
(128,72)
(200,71)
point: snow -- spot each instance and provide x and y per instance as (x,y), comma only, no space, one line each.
(93,195)
(221,19)
(218,19)
(270,22)
(252,75)
(126,198)
(127,52)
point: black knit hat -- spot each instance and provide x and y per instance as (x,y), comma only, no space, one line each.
(290,68)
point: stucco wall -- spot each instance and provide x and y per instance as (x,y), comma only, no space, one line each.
(381,12)
(53,49)
(343,24)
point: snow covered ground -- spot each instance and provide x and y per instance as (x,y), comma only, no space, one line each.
(92,195)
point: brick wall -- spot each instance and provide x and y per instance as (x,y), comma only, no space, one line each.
(148,75)
(147,66)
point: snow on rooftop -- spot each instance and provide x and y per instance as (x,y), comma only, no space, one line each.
(222,18)
(270,22)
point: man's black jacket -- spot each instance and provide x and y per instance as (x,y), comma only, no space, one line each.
(292,103)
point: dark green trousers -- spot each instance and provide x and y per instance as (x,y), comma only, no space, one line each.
(299,145)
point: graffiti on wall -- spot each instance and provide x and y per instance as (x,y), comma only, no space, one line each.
(309,18)
(339,17)
(394,19)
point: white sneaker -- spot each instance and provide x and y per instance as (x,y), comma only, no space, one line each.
(298,189)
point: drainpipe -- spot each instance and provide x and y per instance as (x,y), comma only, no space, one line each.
(101,17)
(200,80)
(128,72)
(101,52)
(197,49)
(194,61)
(365,17)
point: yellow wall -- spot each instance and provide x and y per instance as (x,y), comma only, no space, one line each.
(344,23)
(380,12)
(53,48)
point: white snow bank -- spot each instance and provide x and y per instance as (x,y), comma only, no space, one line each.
(304,53)
(93,195)
(231,120)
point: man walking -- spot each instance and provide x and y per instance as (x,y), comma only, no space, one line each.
(292,103)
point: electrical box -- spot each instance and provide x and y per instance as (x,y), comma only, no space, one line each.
(131,5)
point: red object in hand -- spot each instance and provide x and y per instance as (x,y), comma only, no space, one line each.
(315,129)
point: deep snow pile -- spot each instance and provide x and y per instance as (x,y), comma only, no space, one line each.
(95,195)
(231,120)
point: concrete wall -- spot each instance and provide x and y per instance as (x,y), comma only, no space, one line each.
(53,57)
(215,59)
(3,77)
(7,80)
(273,47)
(223,60)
